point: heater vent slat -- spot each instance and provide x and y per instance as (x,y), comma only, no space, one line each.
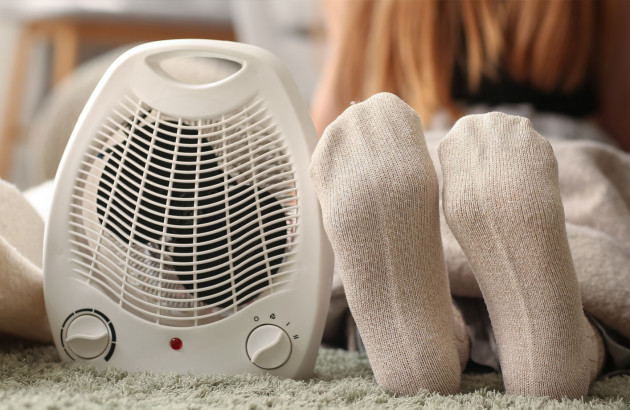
(184,221)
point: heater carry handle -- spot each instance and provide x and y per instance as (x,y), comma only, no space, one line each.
(259,69)
(154,63)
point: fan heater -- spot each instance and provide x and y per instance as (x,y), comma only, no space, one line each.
(184,233)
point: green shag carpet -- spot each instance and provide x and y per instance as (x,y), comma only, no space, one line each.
(32,377)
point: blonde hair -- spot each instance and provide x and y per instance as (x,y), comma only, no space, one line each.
(411,47)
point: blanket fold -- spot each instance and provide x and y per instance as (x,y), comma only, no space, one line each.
(22,310)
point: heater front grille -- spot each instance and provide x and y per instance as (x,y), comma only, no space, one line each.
(185,221)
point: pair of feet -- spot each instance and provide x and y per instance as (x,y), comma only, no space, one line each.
(380,204)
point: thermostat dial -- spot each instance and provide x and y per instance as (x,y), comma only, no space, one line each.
(268,347)
(87,336)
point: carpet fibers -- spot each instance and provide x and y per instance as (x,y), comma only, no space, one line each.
(32,377)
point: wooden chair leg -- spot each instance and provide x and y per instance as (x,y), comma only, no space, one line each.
(11,120)
(65,42)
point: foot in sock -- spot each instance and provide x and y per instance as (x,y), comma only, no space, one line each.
(502,202)
(379,195)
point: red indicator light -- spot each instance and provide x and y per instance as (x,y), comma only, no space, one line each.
(176,343)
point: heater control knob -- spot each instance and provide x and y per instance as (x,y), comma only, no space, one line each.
(87,336)
(268,346)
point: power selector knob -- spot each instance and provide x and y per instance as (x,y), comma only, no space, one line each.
(87,336)
(268,346)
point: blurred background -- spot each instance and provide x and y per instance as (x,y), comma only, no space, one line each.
(53,52)
(567,58)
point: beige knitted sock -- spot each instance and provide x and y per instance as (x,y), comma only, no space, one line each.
(502,201)
(379,196)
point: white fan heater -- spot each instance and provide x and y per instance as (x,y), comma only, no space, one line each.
(185,234)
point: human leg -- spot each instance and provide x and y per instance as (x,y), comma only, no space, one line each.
(379,196)
(502,202)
